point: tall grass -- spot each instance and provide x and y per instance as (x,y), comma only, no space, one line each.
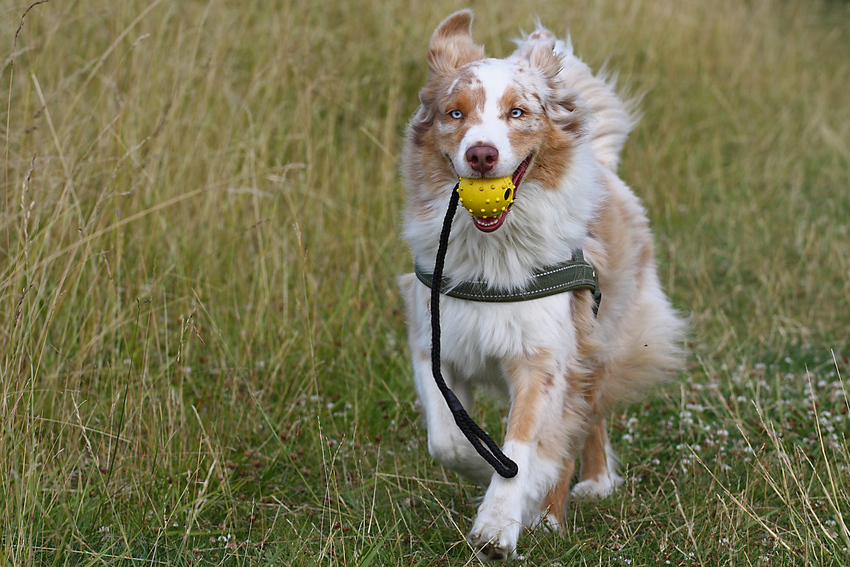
(202,353)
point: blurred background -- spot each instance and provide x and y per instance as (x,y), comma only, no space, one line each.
(202,352)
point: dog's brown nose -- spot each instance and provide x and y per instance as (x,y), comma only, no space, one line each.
(482,158)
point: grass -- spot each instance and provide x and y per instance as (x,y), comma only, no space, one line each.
(202,354)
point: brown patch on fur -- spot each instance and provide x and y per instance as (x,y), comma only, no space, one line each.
(510,99)
(622,226)
(525,131)
(555,501)
(554,158)
(594,456)
(529,377)
(586,341)
(468,97)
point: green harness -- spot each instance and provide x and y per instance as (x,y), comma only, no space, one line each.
(568,276)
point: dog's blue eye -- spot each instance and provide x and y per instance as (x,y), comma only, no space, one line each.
(456,114)
(517,112)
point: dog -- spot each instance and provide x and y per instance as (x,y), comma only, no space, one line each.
(542,118)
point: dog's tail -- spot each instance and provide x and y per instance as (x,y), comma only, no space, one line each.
(613,117)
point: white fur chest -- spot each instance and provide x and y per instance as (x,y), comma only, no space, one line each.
(478,336)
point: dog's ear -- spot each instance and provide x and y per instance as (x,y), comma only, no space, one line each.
(451,45)
(450,49)
(563,105)
(538,50)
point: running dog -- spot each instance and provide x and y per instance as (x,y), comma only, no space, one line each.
(541,118)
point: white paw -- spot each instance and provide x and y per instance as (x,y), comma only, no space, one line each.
(494,539)
(598,488)
(450,448)
(511,504)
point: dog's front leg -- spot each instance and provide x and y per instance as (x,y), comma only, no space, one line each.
(446,441)
(546,418)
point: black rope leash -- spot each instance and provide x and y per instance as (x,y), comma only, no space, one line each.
(476,436)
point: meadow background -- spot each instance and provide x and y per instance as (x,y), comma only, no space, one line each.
(202,352)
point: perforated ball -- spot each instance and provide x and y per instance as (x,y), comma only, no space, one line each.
(484,197)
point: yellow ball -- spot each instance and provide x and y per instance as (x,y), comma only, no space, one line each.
(486,197)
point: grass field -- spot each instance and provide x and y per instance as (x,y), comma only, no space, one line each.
(202,353)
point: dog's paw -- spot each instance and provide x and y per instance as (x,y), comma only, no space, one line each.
(599,487)
(493,541)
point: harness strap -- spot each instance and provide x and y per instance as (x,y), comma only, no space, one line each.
(568,276)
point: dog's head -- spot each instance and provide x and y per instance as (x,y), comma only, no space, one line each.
(496,118)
